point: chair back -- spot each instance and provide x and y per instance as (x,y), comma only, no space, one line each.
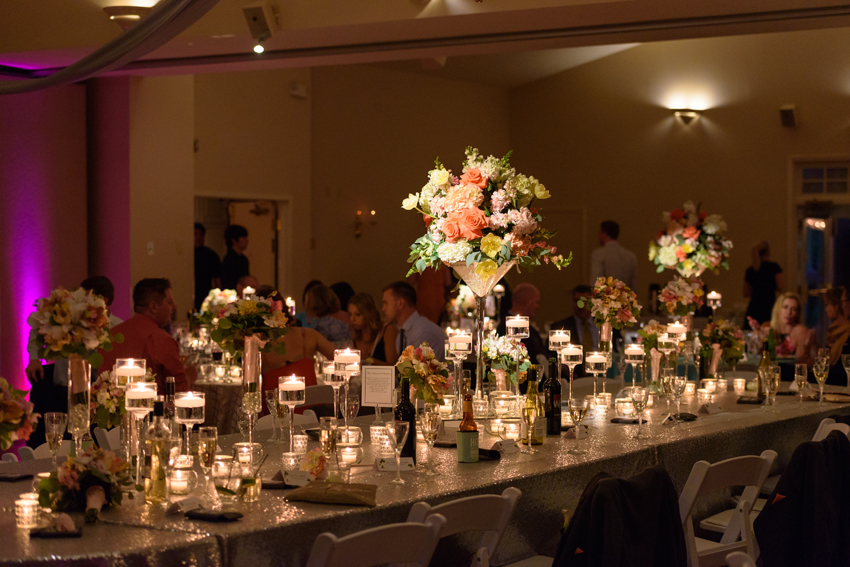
(488,513)
(828,425)
(307,418)
(265,422)
(9,458)
(738,559)
(100,438)
(43,450)
(749,471)
(26,454)
(108,440)
(409,543)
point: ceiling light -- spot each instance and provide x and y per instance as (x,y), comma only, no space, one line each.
(685,115)
(126,16)
(259,48)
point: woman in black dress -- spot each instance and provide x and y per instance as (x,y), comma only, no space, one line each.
(375,341)
(762,282)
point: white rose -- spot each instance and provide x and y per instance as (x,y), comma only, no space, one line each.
(440,178)
(410,203)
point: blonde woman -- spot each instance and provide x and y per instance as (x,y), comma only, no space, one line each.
(762,281)
(791,336)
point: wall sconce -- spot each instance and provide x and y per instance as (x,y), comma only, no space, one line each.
(685,115)
(126,16)
(359,222)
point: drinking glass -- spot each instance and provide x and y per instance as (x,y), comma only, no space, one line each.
(558,339)
(429,425)
(571,355)
(226,477)
(271,404)
(397,434)
(189,410)
(54,429)
(678,388)
(242,422)
(596,362)
(801,375)
(138,401)
(578,409)
(352,406)
(207,446)
(640,397)
(291,393)
(516,329)
(845,362)
(529,413)
(327,436)
(821,371)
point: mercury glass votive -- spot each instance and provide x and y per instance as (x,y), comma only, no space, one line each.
(690,389)
(709,385)
(740,385)
(480,407)
(26,513)
(510,429)
(704,396)
(624,407)
(220,372)
(299,444)
(182,481)
(722,385)
(351,436)
(291,461)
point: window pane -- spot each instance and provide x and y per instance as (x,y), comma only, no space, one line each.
(812,173)
(836,187)
(810,187)
(836,173)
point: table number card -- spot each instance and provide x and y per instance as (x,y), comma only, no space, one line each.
(506,447)
(710,408)
(377,386)
(297,478)
(388,464)
(185,505)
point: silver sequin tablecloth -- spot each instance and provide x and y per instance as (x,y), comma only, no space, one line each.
(274,532)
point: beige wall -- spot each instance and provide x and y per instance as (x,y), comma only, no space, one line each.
(601,137)
(376,133)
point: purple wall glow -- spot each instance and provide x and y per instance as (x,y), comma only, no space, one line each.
(42,209)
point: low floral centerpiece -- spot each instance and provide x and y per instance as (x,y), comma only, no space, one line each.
(17,420)
(690,242)
(216,300)
(254,318)
(107,399)
(87,482)
(682,297)
(500,355)
(721,340)
(427,375)
(648,335)
(613,305)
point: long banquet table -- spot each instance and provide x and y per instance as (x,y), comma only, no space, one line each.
(275,532)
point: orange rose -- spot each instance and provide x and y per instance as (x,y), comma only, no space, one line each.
(690,232)
(473,177)
(471,221)
(451,228)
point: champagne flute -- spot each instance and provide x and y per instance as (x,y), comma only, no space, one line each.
(801,374)
(291,392)
(397,432)
(578,409)
(529,412)
(352,406)
(678,387)
(189,410)
(640,397)
(821,371)
(281,411)
(54,428)
(776,380)
(571,355)
(429,425)
(242,422)
(271,404)
(845,362)
(207,446)
(327,435)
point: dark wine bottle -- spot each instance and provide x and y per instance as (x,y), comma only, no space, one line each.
(406,411)
(552,399)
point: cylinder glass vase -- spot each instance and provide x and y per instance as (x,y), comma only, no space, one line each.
(251,390)
(79,399)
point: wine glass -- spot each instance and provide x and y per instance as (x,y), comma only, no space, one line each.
(397,434)
(189,410)
(678,384)
(640,397)
(242,422)
(845,362)
(821,371)
(429,425)
(271,404)
(207,446)
(635,354)
(138,401)
(352,406)
(291,393)
(823,353)
(578,409)
(516,329)
(801,375)
(54,429)
(596,362)
(666,346)
(571,355)
(529,413)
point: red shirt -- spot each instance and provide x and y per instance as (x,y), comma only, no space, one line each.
(144,339)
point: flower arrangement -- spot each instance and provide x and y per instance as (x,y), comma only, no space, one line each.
(17,419)
(728,336)
(612,302)
(107,401)
(484,216)
(648,336)
(70,322)
(88,481)
(314,462)
(682,296)
(690,242)
(500,353)
(424,372)
(464,304)
(253,317)
(216,300)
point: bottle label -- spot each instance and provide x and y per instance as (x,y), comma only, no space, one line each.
(467,446)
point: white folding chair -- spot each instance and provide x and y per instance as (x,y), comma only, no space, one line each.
(409,543)
(307,418)
(108,440)
(749,471)
(488,513)
(26,454)
(10,458)
(43,450)
(738,559)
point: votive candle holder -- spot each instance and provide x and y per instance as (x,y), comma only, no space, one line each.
(26,513)
(722,385)
(299,444)
(740,385)
(291,461)
(690,389)
(704,396)
(709,385)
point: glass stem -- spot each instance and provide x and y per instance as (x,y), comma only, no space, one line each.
(571,380)
(398,464)
(187,438)
(640,420)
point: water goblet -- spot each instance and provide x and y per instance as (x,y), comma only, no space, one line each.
(635,354)
(578,409)
(291,393)
(188,411)
(429,425)
(271,404)
(596,363)
(54,429)
(801,375)
(640,397)
(571,355)
(397,432)
(821,371)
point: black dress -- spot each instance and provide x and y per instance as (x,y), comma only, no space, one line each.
(233,267)
(207,267)
(763,285)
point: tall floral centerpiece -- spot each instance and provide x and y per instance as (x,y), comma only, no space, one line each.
(724,341)
(481,223)
(500,354)
(690,242)
(73,324)
(249,327)
(17,419)
(427,375)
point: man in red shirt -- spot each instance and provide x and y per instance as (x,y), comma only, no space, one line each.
(144,336)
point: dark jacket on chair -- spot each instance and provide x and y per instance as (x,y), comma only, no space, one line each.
(806,521)
(626,523)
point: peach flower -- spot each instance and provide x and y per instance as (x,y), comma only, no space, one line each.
(691,232)
(471,221)
(451,228)
(473,177)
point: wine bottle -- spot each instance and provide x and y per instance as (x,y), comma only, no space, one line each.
(535,408)
(406,411)
(552,399)
(157,454)
(467,431)
(763,370)
(771,345)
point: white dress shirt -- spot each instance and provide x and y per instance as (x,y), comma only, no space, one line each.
(417,330)
(612,260)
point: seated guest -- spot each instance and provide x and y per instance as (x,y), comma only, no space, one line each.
(301,316)
(246,281)
(144,336)
(235,263)
(344,292)
(580,325)
(399,307)
(791,336)
(321,304)
(375,341)
(836,335)
(526,299)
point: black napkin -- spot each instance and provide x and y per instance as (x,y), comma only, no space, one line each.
(489,455)
(685,417)
(53,533)
(445,444)
(786,393)
(749,400)
(627,420)
(313,433)
(212,516)
(14,477)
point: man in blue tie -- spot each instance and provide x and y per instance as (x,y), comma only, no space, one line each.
(399,307)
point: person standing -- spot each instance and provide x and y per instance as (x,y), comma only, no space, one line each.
(611,259)
(207,267)
(762,281)
(399,307)
(235,264)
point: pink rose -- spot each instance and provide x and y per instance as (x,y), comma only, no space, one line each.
(472,221)
(473,177)
(451,228)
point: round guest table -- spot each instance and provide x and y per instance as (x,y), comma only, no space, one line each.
(274,531)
